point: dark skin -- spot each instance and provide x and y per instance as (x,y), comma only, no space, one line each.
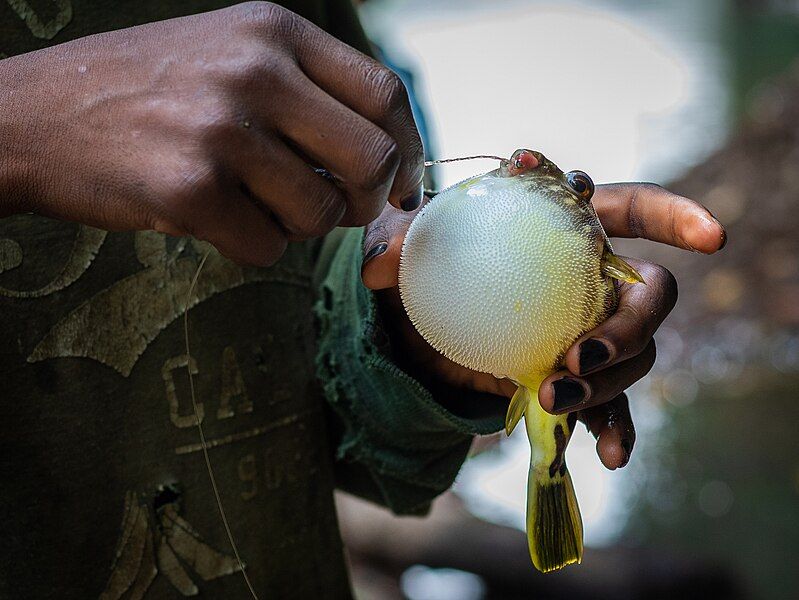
(212,125)
(626,210)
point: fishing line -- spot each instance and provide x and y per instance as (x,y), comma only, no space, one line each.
(430,163)
(203,443)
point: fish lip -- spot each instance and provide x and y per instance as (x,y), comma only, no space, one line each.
(545,167)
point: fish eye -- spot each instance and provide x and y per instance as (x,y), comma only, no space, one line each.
(581,183)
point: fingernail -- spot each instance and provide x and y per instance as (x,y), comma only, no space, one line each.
(413,201)
(627,446)
(593,354)
(375,251)
(568,393)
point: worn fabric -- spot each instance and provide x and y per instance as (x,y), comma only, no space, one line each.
(103,488)
(27,25)
(405,446)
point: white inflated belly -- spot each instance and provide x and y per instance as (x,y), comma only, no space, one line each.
(490,281)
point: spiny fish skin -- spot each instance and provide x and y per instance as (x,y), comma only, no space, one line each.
(501,273)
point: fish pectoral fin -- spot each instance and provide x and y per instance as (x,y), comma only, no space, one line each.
(615,267)
(516,408)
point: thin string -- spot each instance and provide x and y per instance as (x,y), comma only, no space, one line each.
(430,163)
(200,430)
(203,443)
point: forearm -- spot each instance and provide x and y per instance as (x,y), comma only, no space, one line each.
(15,168)
(34,133)
(168,127)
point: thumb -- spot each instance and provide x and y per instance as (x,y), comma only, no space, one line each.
(382,247)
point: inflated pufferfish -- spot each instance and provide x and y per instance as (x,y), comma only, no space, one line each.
(501,273)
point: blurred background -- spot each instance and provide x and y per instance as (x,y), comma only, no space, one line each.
(702,97)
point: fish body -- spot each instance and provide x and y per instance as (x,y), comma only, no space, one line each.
(501,273)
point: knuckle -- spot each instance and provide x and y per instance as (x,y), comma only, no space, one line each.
(166,225)
(630,314)
(188,186)
(665,284)
(218,133)
(388,90)
(650,187)
(274,250)
(269,20)
(253,72)
(382,161)
(415,152)
(629,335)
(259,14)
(670,286)
(323,215)
(163,218)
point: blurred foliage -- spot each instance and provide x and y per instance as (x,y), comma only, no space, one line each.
(716,481)
(721,480)
(763,40)
(722,484)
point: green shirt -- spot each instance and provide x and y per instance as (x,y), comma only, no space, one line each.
(103,489)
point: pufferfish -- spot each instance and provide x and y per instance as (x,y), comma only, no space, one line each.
(501,273)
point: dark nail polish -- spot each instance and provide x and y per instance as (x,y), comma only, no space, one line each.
(568,393)
(413,201)
(593,354)
(375,251)
(627,446)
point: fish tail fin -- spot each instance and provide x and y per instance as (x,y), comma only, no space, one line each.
(554,525)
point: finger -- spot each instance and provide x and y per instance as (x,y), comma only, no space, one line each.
(383,246)
(563,392)
(361,156)
(646,210)
(374,92)
(236,226)
(641,310)
(612,426)
(304,203)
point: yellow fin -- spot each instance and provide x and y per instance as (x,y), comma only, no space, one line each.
(516,408)
(554,526)
(615,267)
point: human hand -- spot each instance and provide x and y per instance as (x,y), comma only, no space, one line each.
(208,125)
(602,363)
